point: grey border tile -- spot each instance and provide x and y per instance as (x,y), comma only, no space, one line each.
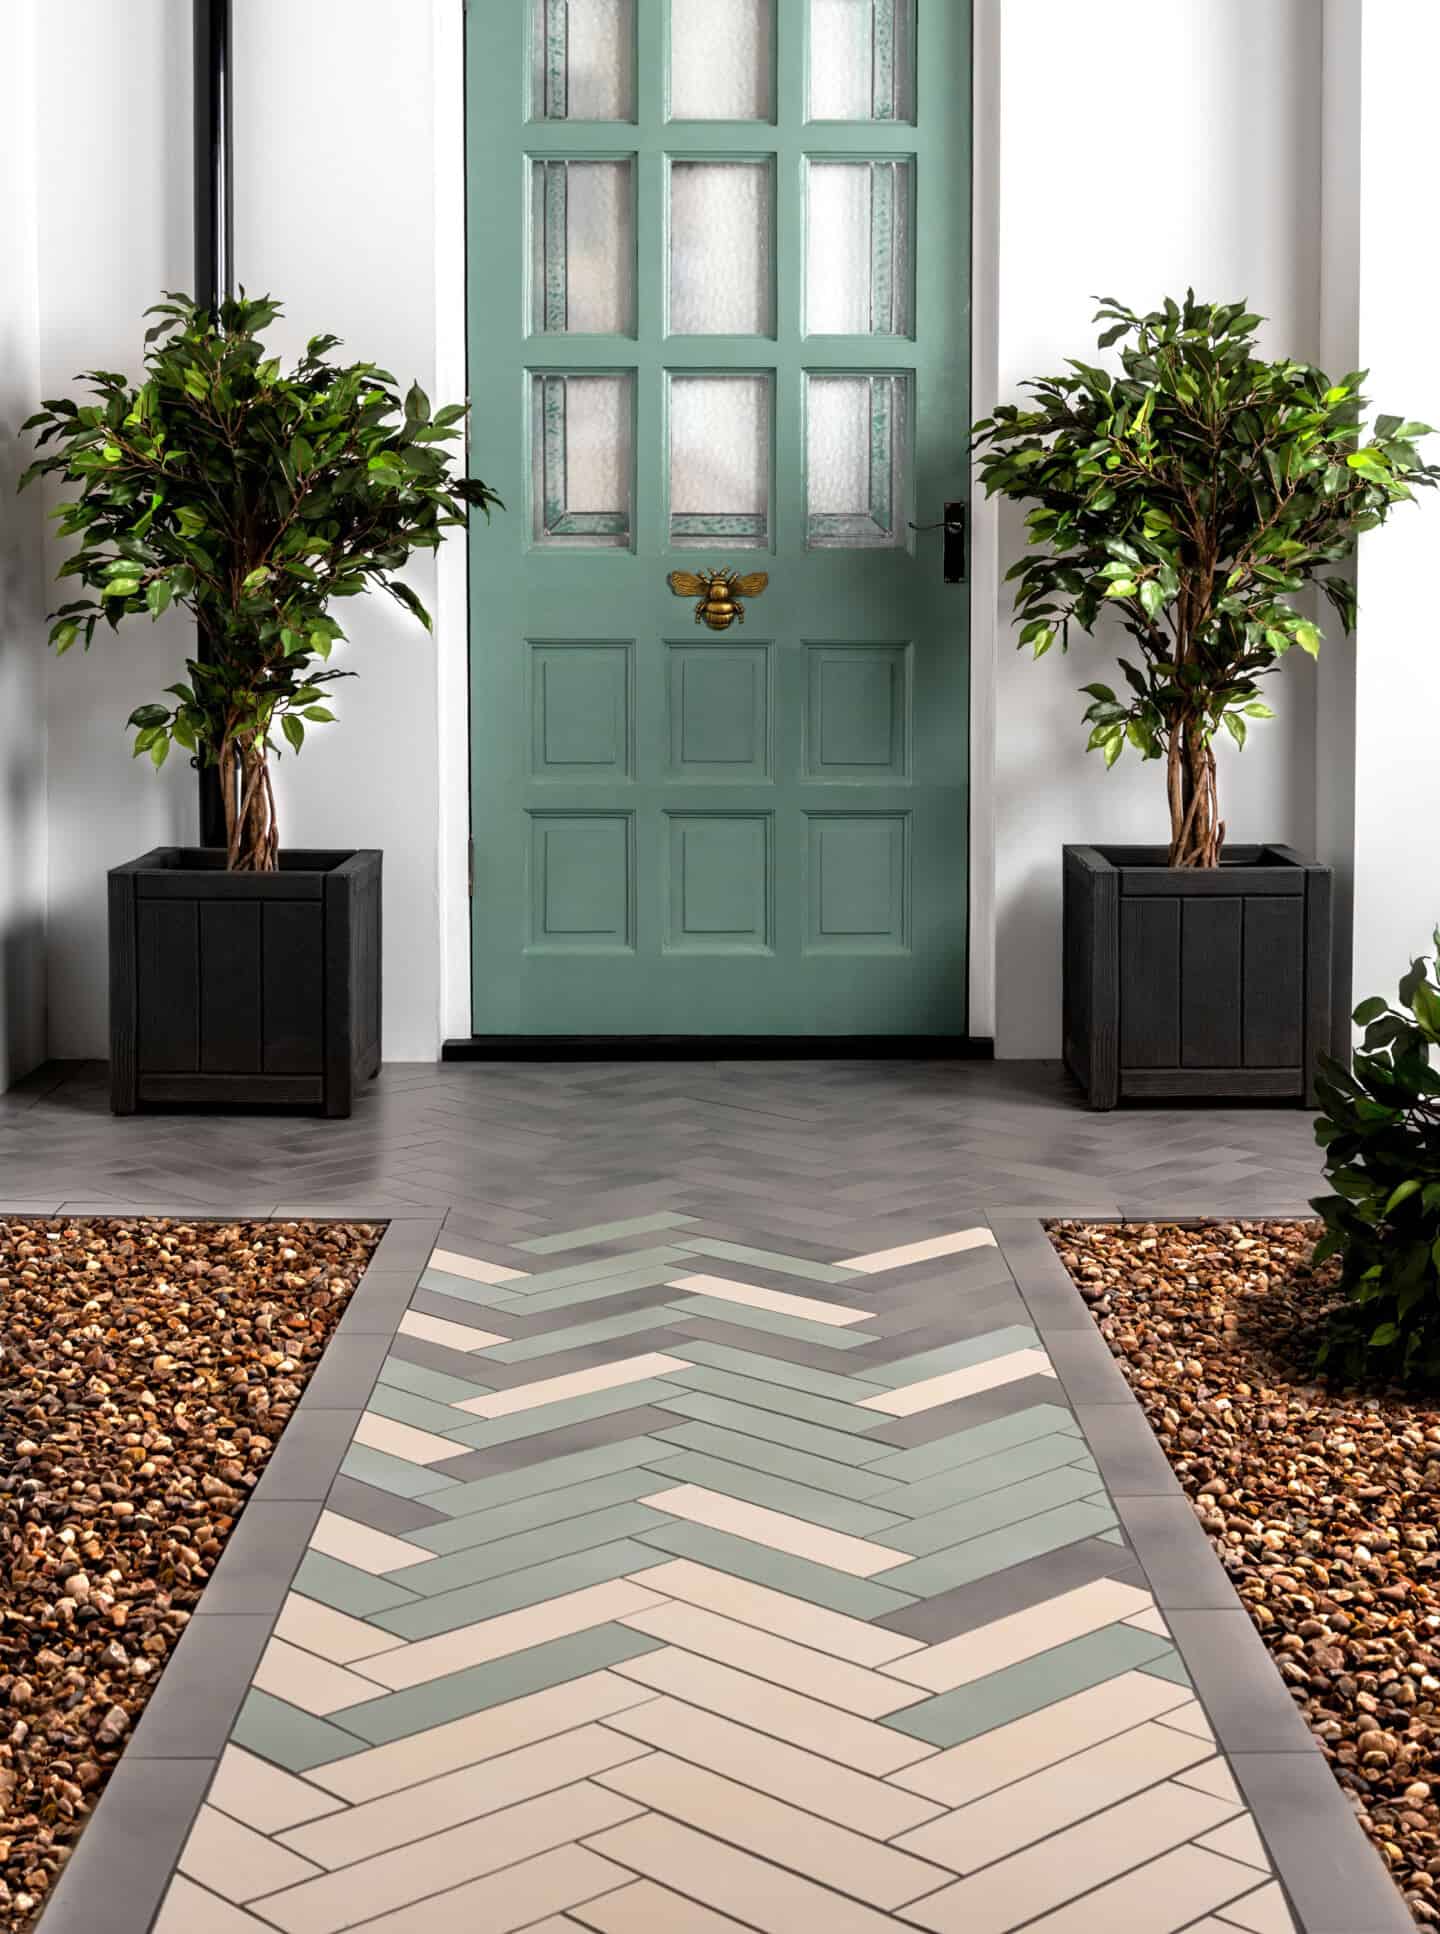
(1307,1823)
(117,1875)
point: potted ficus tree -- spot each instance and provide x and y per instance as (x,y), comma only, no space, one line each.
(255,498)
(1193,495)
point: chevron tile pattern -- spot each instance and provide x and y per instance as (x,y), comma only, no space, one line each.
(692,1572)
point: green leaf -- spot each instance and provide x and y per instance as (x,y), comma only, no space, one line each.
(293,729)
(1370,1010)
(157,595)
(1152,597)
(1307,637)
(1403,1193)
(320,714)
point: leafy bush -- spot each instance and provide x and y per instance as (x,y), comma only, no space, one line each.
(1381,1136)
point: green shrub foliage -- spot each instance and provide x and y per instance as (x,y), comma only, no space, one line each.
(1381,1136)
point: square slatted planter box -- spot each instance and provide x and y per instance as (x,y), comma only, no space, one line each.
(244,988)
(1187,985)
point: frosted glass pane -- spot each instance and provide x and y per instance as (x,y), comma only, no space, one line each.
(722,62)
(856,461)
(720,460)
(720,267)
(862,60)
(582,230)
(857,252)
(582,459)
(583,60)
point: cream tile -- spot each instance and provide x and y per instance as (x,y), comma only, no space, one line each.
(859,1743)
(1045,1877)
(1025,1746)
(493,1638)
(771,1766)
(1158,1899)
(479,1736)
(782,1301)
(1150,1621)
(759,1895)
(403,1440)
(1212,1776)
(393,1880)
(1264,1912)
(580,1383)
(264,1796)
(860,1557)
(334,1635)
(455,1264)
(951,1245)
(356,1544)
(830,1855)
(454,1336)
(1045,1803)
(188,1909)
(1006,1641)
(310,1683)
(954,1384)
(1190,1718)
(511,1899)
(1238,1841)
(234,1861)
(648,1909)
(763,1655)
(465,1794)
(778,1612)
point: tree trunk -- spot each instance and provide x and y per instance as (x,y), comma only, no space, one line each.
(251,840)
(1197,832)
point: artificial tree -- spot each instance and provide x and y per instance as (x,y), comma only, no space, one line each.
(1194,494)
(253,497)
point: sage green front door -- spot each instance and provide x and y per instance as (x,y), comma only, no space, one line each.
(718,318)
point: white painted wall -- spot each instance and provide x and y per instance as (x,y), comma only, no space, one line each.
(1228,200)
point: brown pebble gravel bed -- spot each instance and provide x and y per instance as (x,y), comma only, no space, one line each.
(147,1368)
(1323,1505)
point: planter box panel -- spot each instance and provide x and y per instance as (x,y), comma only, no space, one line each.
(1213,1084)
(168,1008)
(1274,1014)
(293,982)
(1211,982)
(234,1090)
(1149,983)
(231,1010)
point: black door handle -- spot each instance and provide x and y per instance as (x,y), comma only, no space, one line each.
(952,552)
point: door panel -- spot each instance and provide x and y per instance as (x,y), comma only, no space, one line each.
(718,270)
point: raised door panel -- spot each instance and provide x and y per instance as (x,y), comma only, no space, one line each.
(581,711)
(582,882)
(718,712)
(857,713)
(859,886)
(720,882)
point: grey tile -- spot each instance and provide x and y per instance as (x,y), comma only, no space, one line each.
(381,1510)
(1333,1875)
(304,1462)
(118,1872)
(346,1372)
(200,1691)
(1082,1360)
(986,1406)
(1240,1689)
(260,1558)
(1131,1462)
(519,1453)
(1014,1589)
(1184,1572)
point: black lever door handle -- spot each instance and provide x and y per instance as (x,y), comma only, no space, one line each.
(952,553)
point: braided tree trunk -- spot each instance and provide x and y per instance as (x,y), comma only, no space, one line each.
(1197,832)
(251,839)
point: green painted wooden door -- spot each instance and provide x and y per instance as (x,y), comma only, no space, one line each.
(719,316)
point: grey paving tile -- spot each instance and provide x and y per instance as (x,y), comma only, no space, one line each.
(986,1406)
(119,1870)
(526,1514)
(1240,1689)
(981,1476)
(985,1437)
(481,1433)
(553,1474)
(498,1557)
(519,1451)
(1336,1880)
(780,1494)
(1182,1567)
(916,1366)
(260,1558)
(304,1462)
(758,1363)
(346,1373)
(1130,1460)
(194,1705)
(424,1413)
(785,1400)
(1000,1593)
(381,1510)
(603,1232)
(291,1738)
(823,1336)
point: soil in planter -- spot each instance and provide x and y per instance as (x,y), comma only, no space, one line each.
(147,1368)
(1323,1505)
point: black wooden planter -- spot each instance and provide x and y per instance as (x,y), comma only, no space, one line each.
(244,988)
(1183,984)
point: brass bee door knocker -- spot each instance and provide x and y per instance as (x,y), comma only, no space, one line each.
(719,593)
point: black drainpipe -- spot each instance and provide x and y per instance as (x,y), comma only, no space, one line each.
(214,250)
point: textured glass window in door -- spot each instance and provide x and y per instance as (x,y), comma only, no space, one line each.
(858,266)
(582,247)
(582,458)
(720,460)
(722,60)
(857,461)
(583,60)
(862,60)
(721,267)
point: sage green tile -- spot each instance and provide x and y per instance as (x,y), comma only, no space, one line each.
(462,1290)
(481,1432)
(839,1446)
(577,1274)
(942,1571)
(1168,1667)
(794,1376)
(980,1477)
(529,1513)
(397,1374)
(761,1454)
(282,1733)
(501,1556)
(945,1453)
(552,1474)
(640,1225)
(1034,1683)
(814,1272)
(954,1356)
(480,1686)
(992,1510)
(346,1587)
(468,1604)
(1114,1538)
(526,1349)
(786,1402)
(621,1283)
(779,1494)
(395,1474)
(859,1597)
(714,1309)
(423,1412)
